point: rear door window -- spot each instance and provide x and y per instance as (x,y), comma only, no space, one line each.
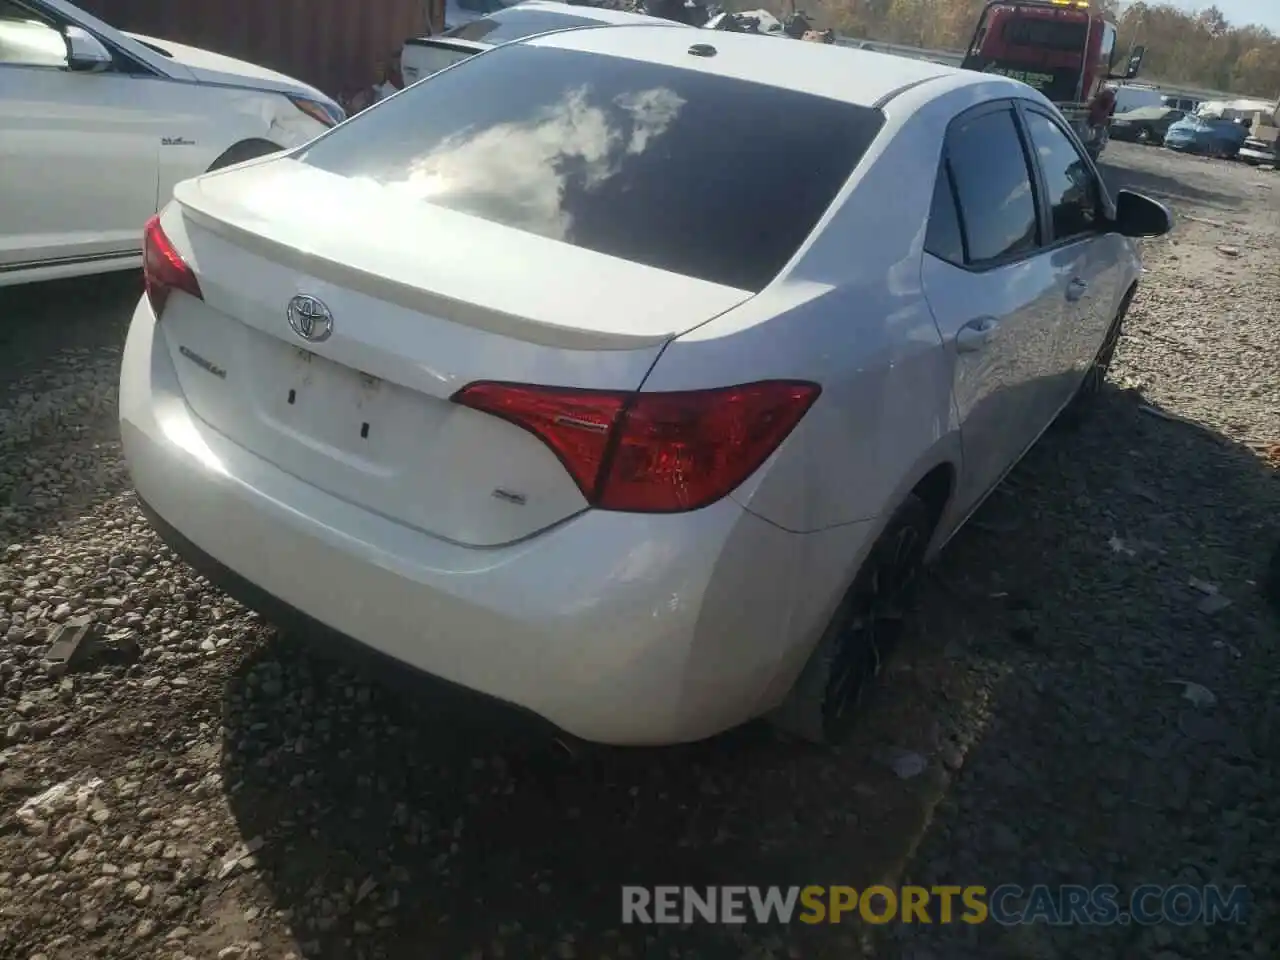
(993,185)
(944,238)
(670,167)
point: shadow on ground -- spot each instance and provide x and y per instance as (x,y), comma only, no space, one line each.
(38,320)
(1178,190)
(60,346)
(392,830)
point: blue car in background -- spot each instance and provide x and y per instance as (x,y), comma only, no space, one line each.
(1211,136)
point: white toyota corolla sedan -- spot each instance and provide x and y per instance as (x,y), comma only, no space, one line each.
(621,374)
(96,126)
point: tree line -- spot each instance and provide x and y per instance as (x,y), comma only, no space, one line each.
(1196,49)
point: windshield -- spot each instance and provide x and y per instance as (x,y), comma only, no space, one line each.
(702,175)
(516,24)
(1063,36)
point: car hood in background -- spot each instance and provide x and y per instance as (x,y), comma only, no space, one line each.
(210,67)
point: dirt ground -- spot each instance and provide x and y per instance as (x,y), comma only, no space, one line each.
(226,794)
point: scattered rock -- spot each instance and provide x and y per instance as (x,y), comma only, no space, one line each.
(1198,694)
(1214,604)
(907,764)
(72,643)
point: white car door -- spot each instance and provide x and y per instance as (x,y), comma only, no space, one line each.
(79,149)
(1086,259)
(994,294)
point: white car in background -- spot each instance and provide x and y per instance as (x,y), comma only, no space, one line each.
(459,12)
(423,56)
(97,126)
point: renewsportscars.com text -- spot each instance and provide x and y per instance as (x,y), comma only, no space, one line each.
(1007,904)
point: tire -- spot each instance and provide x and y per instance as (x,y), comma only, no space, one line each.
(1146,135)
(822,705)
(242,151)
(1095,377)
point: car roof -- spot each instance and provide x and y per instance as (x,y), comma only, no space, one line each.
(599,14)
(840,73)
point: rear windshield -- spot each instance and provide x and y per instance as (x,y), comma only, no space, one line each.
(424,59)
(701,175)
(515,24)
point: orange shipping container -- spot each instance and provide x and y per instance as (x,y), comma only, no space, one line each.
(336,45)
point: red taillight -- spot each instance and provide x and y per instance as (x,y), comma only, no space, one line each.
(653,452)
(163,269)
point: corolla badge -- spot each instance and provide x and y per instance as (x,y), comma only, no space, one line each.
(310,319)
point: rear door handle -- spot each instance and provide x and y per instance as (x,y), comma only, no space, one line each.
(1076,289)
(975,334)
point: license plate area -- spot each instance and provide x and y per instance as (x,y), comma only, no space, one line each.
(329,404)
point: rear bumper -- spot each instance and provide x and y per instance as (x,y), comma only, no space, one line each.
(1254,155)
(325,640)
(616,628)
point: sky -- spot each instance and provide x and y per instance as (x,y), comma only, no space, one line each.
(1240,12)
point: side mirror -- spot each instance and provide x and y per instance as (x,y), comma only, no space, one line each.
(85,52)
(1135,62)
(1140,216)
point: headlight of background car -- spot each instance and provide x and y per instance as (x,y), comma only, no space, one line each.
(328,114)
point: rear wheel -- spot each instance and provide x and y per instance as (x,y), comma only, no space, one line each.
(1145,135)
(242,151)
(866,626)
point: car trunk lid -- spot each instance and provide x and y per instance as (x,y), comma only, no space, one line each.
(408,303)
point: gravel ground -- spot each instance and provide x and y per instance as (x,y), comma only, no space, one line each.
(220,792)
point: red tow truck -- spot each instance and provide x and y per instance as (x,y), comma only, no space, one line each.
(1063,48)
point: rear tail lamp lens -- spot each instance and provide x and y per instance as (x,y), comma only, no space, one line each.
(652,452)
(163,269)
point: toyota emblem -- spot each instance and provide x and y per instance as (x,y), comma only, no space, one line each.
(310,319)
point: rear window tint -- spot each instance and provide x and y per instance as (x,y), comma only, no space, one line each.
(514,24)
(689,172)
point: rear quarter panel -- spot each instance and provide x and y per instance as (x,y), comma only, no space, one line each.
(850,314)
(207,119)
